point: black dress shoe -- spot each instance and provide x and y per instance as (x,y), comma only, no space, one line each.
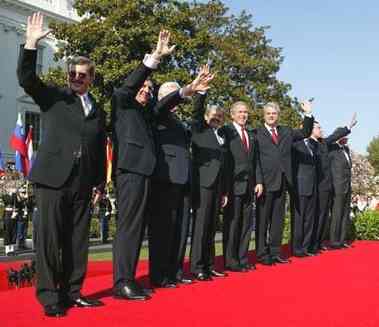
(185,281)
(323,248)
(249,266)
(131,291)
(203,277)
(267,261)
(335,247)
(309,254)
(11,254)
(148,291)
(315,251)
(237,268)
(83,302)
(164,284)
(279,259)
(215,273)
(346,246)
(299,254)
(54,310)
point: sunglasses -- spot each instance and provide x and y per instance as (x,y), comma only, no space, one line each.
(75,75)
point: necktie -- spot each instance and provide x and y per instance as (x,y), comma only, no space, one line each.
(274,136)
(244,140)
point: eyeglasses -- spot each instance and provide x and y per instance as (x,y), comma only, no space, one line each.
(75,75)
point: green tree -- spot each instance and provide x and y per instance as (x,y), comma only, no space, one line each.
(117,33)
(373,153)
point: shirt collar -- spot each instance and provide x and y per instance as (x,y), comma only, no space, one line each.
(269,128)
(238,127)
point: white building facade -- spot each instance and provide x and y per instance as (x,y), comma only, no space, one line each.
(13,17)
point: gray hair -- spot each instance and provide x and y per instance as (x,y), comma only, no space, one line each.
(167,88)
(271,105)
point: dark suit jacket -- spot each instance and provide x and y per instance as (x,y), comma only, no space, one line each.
(173,146)
(323,172)
(66,130)
(209,157)
(275,159)
(305,168)
(340,169)
(132,124)
(244,168)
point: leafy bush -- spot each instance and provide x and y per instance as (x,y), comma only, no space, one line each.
(367,225)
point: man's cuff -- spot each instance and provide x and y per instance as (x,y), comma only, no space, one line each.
(309,115)
(150,62)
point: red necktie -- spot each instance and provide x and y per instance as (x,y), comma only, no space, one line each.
(244,140)
(274,136)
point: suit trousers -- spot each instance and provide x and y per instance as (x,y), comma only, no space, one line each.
(204,229)
(166,198)
(63,233)
(270,222)
(340,218)
(237,230)
(324,200)
(132,192)
(304,220)
(182,232)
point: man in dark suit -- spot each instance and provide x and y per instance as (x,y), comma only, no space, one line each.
(341,164)
(275,146)
(244,183)
(306,159)
(169,182)
(324,181)
(134,116)
(209,186)
(69,163)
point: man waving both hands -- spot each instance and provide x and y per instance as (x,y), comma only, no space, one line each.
(134,114)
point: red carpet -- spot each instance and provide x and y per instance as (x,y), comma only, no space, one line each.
(337,288)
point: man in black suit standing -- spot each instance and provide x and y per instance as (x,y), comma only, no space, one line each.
(341,164)
(69,163)
(134,116)
(324,181)
(169,182)
(209,186)
(306,161)
(245,182)
(275,147)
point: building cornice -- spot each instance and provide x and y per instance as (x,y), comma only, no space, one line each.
(28,8)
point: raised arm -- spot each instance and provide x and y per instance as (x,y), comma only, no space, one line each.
(136,79)
(199,84)
(306,131)
(341,131)
(27,63)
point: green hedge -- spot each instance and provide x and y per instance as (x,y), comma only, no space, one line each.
(367,225)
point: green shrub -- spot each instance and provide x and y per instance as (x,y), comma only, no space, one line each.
(367,225)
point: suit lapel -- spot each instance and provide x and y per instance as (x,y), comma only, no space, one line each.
(93,111)
(76,104)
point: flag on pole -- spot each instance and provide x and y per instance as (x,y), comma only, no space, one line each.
(17,143)
(109,151)
(29,149)
(2,167)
